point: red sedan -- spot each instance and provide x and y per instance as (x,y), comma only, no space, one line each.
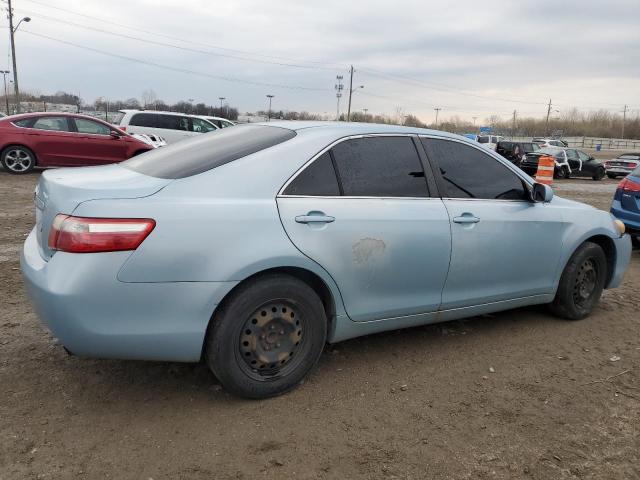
(62,140)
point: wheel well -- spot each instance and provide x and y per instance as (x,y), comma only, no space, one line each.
(313,280)
(35,157)
(609,249)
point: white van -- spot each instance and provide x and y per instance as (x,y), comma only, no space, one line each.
(489,141)
(172,126)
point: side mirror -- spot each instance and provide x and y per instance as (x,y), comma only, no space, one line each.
(115,134)
(541,193)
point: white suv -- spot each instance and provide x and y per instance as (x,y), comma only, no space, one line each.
(172,126)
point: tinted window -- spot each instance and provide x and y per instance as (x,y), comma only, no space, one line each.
(174,122)
(205,152)
(483,139)
(380,167)
(58,124)
(318,179)
(25,122)
(144,120)
(530,147)
(583,156)
(89,126)
(469,173)
(572,154)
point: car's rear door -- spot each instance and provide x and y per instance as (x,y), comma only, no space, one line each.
(53,142)
(95,145)
(503,245)
(363,211)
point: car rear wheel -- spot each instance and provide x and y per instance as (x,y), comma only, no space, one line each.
(266,337)
(581,283)
(17,159)
(599,174)
(562,173)
(611,175)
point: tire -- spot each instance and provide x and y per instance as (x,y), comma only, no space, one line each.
(266,337)
(562,173)
(17,159)
(611,175)
(581,283)
(635,241)
(599,175)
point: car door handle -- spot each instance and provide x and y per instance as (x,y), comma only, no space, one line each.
(314,219)
(466,218)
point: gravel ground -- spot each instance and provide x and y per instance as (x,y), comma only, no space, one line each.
(518,394)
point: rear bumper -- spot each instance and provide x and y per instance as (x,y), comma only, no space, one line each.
(623,257)
(630,219)
(78,297)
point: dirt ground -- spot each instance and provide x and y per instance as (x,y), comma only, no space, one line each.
(518,394)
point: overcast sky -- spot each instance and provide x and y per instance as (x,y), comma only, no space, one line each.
(469,58)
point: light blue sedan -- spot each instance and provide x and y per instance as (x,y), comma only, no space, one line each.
(252,247)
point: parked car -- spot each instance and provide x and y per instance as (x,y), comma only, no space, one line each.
(569,163)
(626,204)
(265,241)
(52,139)
(217,121)
(515,151)
(550,142)
(489,141)
(171,126)
(154,140)
(622,165)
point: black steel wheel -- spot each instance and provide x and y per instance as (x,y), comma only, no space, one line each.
(267,336)
(562,173)
(600,173)
(581,283)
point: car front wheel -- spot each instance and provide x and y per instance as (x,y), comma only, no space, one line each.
(562,173)
(266,337)
(17,159)
(581,283)
(599,174)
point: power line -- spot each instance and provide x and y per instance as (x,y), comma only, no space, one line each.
(177,69)
(325,65)
(163,44)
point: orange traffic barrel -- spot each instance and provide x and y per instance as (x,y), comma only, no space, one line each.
(546,166)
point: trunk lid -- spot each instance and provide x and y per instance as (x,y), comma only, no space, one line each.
(62,190)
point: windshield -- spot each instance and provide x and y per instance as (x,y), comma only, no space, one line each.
(205,152)
(483,139)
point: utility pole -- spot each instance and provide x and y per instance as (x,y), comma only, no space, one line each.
(221,100)
(437,109)
(513,129)
(365,110)
(6,95)
(12,32)
(548,113)
(350,92)
(474,120)
(269,113)
(338,87)
(624,118)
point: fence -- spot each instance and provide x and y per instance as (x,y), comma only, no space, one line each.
(593,142)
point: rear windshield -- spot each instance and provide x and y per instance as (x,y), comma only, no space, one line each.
(207,151)
(625,156)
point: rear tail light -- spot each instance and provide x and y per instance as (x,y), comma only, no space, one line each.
(92,235)
(607,164)
(627,185)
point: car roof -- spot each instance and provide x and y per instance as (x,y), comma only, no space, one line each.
(20,116)
(133,110)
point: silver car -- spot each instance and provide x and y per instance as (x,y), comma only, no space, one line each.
(253,247)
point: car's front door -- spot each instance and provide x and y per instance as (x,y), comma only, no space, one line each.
(504,246)
(574,161)
(589,165)
(95,145)
(362,210)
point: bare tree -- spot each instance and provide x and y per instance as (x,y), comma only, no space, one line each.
(149,97)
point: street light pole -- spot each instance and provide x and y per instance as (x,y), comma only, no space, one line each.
(6,96)
(437,109)
(12,32)
(269,113)
(221,100)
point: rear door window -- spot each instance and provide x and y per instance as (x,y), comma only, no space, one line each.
(467,172)
(58,124)
(318,179)
(206,152)
(379,167)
